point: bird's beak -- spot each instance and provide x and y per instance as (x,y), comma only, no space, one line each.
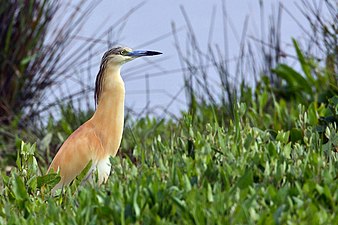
(140,53)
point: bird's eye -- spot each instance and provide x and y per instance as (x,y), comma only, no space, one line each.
(123,52)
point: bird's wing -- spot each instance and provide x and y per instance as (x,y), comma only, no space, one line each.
(75,153)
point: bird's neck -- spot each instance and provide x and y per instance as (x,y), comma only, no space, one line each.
(108,118)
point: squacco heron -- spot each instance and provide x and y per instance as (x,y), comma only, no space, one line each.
(100,137)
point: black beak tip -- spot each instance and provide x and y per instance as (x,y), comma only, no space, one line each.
(150,53)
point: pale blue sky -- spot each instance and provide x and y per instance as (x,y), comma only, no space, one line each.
(155,18)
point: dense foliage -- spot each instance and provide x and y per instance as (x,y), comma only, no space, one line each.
(189,173)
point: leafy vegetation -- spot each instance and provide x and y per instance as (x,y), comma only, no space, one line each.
(238,175)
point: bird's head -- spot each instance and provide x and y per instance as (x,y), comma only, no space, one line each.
(120,55)
(115,57)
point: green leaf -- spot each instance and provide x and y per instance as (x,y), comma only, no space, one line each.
(272,149)
(263,99)
(312,112)
(5,178)
(295,80)
(19,188)
(248,141)
(85,171)
(32,183)
(187,182)
(304,64)
(283,137)
(27,59)
(210,195)
(296,135)
(18,160)
(49,179)
(135,204)
(246,180)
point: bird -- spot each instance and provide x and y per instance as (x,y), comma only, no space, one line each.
(99,138)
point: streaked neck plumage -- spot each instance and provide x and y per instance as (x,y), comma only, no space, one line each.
(108,118)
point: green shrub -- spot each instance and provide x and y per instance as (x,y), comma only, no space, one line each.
(239,175)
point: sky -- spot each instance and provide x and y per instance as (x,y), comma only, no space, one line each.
(149,27)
